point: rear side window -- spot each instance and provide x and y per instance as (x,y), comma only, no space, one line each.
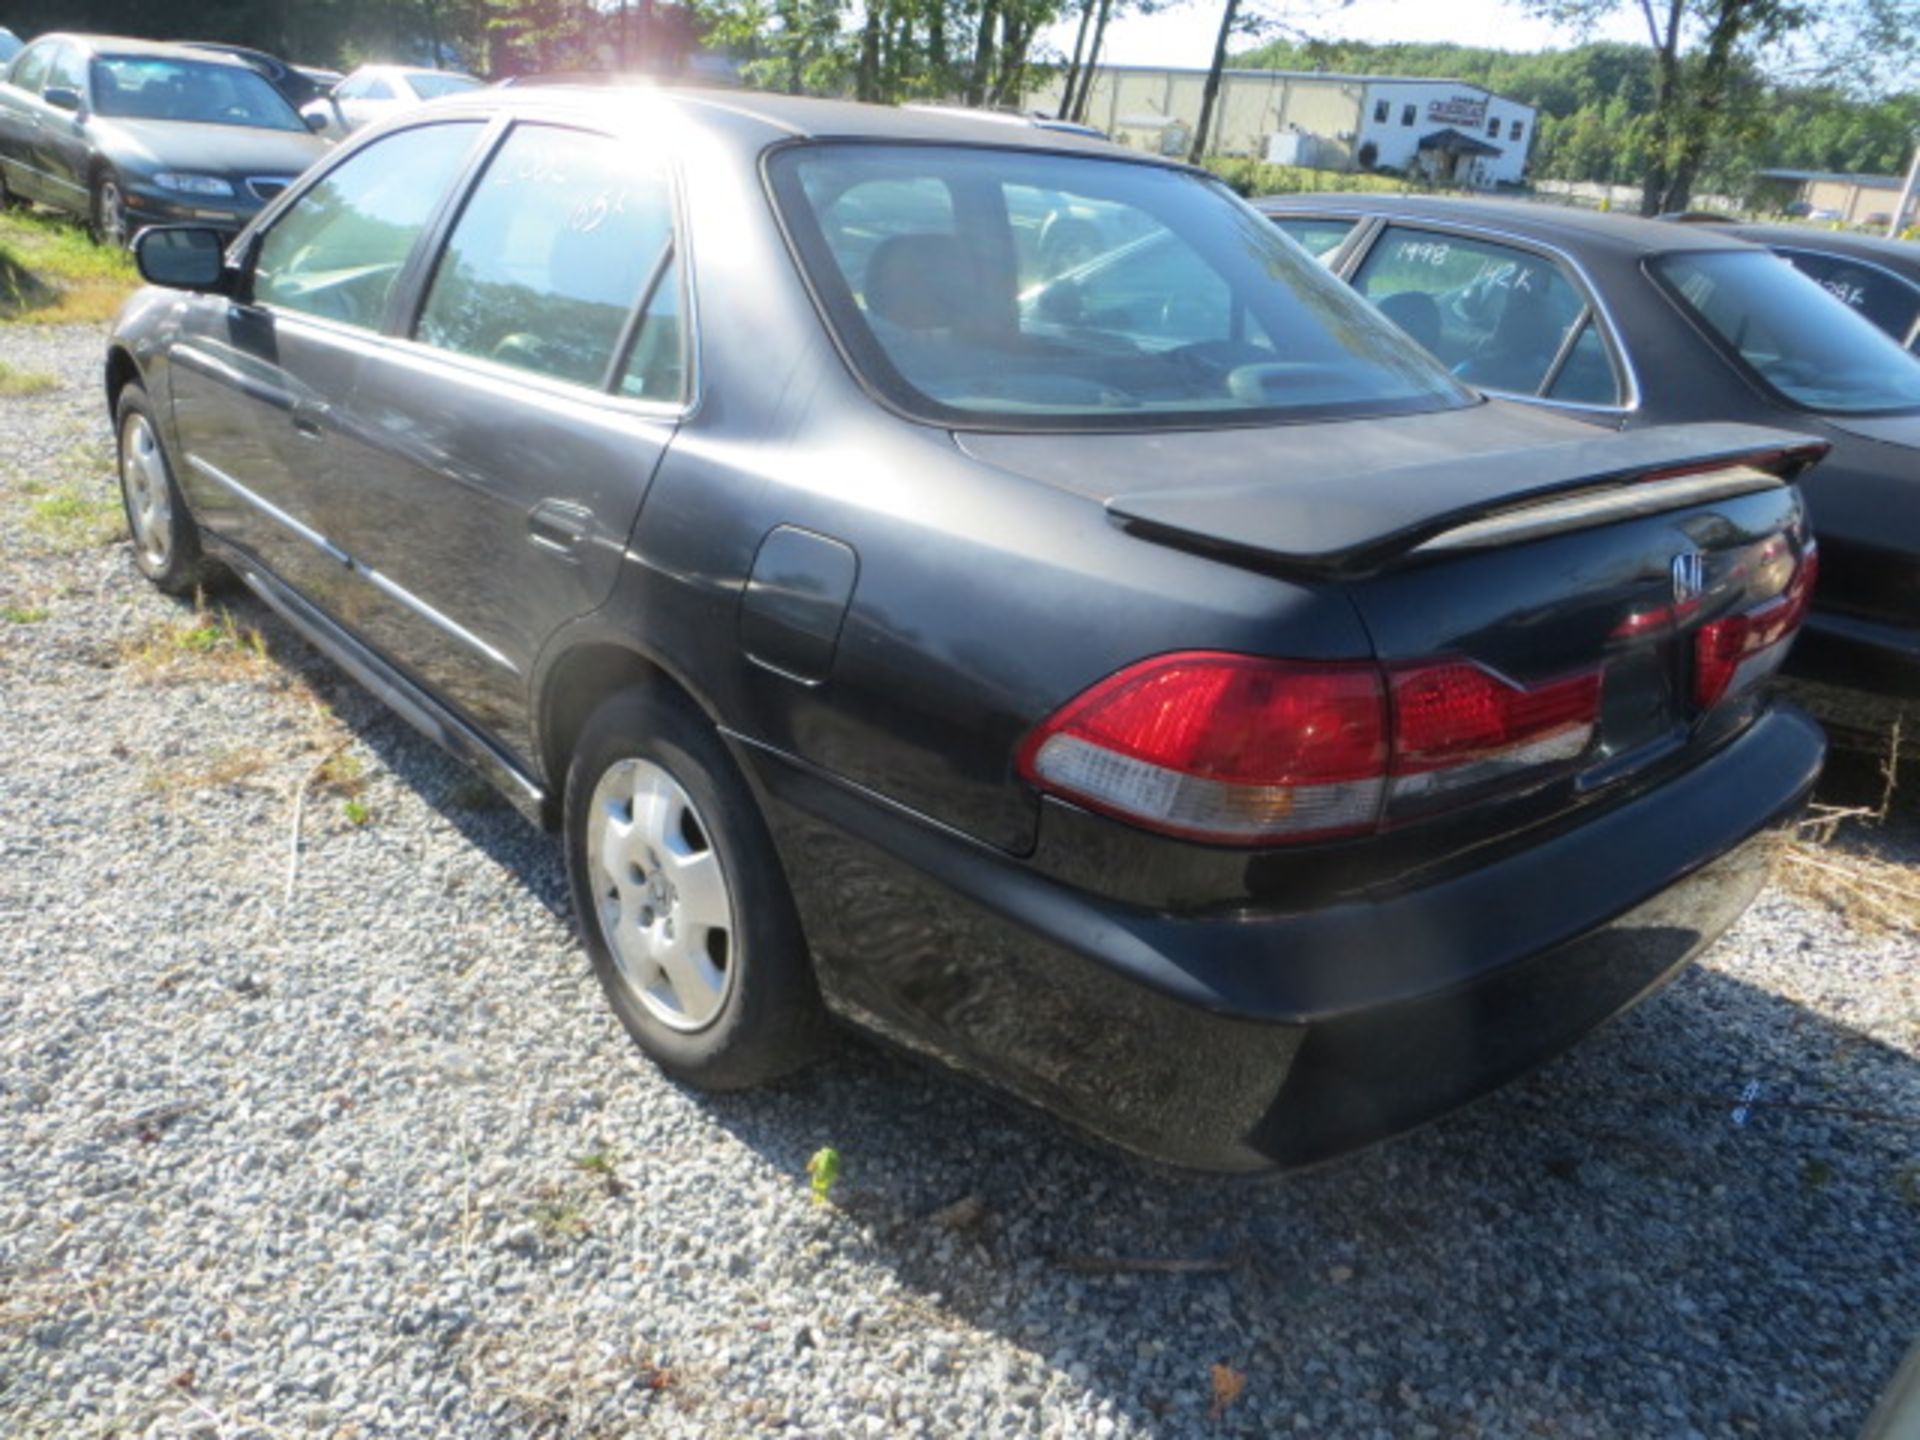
(550,255)
(1876,295)
(338,251)
(1319,238)
(1798,340)
(1497,316)
(30,70)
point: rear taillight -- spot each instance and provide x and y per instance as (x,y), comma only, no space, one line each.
(1240,748)
(1733,653)
(1457,724)
(1222,747)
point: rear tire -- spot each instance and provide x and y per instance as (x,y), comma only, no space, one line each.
(681,900)
(166,542)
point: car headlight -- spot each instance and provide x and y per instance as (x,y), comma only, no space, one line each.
(192,184)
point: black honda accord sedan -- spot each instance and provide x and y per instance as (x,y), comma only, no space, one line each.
(1632,322)
(1167,694)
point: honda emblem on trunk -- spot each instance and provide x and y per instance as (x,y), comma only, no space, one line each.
(1689,576)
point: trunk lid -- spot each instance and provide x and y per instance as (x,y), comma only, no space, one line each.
(1558,609)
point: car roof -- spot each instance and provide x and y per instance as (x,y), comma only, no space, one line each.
(125,45)
(1835,242)
(1562,225)
(778,117)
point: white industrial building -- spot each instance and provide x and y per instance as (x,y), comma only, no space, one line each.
(1453,131)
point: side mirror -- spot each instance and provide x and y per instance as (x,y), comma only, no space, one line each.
(181,257)
(63,97)
(324,116)
(316,119)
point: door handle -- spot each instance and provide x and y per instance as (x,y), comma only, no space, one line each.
(560,526)
(308,416)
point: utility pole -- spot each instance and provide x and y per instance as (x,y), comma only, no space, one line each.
(1907,194)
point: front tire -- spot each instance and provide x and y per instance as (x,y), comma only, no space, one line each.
(166,542)
(109,212)
(681,900)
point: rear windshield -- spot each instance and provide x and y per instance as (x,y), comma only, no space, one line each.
(1803,343)
(991,287)
(144,87)
(432,84)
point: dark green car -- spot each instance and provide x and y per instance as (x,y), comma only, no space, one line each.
(129,133)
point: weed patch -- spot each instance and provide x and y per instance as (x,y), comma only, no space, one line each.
(16,383)
(209,645)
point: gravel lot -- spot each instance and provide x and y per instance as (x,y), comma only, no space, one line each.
(366,1155)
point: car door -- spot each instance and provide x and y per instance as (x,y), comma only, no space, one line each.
(1510,318)
(65,150)
(20,120)
(498,458)
(260,382)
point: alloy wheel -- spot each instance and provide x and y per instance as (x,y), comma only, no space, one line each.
(143,478)
(662,896)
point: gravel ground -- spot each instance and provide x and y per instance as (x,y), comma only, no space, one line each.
(364,1154)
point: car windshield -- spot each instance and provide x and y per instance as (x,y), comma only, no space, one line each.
(984,287)
(432,84)
(147,87)
(1801,342)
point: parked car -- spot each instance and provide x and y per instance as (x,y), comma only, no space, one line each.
(10,44)
(1633,323)
(1878,277)
(126,133)
(299,86)
(1239,738)
(374,92)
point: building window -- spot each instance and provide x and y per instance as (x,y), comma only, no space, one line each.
(1517,131)
(1406,114)
(1493,128)
(1380,112)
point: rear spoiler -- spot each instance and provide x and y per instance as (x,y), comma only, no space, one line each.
(1348,525)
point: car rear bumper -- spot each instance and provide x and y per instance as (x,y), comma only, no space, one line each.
(1248,1041)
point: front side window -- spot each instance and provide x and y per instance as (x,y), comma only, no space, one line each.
(339,249)
(69,69)
(1798,340)
(947,274)
(1879,296)
(147,87)
(550,255)
(1495,315)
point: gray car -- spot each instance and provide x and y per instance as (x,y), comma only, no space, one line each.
(1879,278)
(1631,323)
(128,133)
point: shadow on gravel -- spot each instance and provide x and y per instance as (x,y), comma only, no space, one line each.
(1605,1244)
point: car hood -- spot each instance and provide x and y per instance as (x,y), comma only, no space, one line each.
(1902,430)
(206,149)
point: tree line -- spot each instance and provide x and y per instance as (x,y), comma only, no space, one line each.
(1720,89)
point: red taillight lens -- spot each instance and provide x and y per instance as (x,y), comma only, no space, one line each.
(1454,713)
(1223,747)
(1733,652)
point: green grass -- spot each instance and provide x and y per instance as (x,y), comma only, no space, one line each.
(51,272)
(77,519)
(24,614)
(1256,177)
(15,381)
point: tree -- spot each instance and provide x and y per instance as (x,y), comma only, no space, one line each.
(1709,60)
(1242,17)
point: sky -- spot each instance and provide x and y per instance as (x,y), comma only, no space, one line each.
(1184,34)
